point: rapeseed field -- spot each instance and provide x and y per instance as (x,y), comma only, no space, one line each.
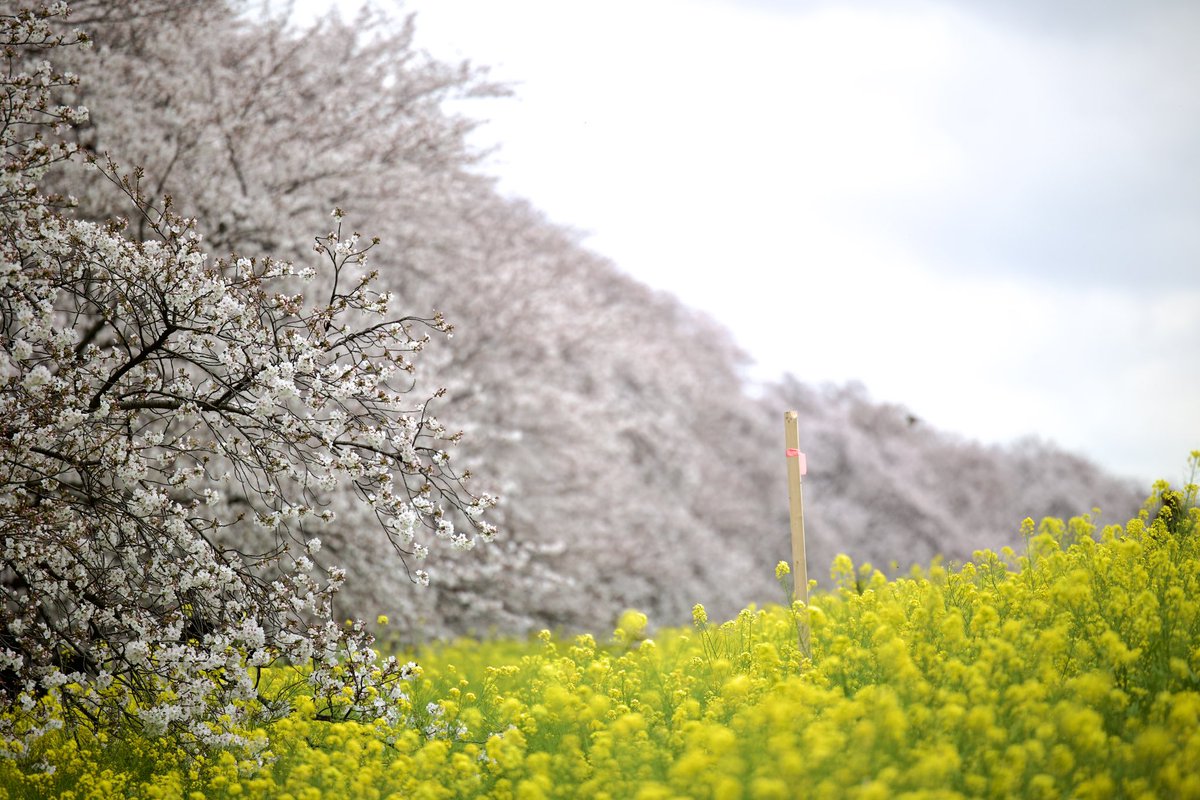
(1071,669)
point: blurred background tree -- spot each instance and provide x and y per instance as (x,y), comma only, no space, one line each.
(637,467)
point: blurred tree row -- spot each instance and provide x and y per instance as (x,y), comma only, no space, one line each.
(635,465)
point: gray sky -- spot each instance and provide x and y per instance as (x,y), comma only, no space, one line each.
(987,212)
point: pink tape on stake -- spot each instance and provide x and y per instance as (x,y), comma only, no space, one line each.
(792,452)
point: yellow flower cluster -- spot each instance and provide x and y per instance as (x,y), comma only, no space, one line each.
(1070,670)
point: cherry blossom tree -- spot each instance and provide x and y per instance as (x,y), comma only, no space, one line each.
(637,467)
(172,428)
(583,391)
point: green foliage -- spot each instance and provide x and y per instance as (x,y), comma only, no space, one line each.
(1071,669)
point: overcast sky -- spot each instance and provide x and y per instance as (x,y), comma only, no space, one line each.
(988,212)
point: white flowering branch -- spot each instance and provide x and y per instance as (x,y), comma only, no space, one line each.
(171,428)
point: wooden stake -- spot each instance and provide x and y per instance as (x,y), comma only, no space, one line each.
(796,468)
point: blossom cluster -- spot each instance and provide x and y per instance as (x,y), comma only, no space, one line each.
(1067,670)
(172,427)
